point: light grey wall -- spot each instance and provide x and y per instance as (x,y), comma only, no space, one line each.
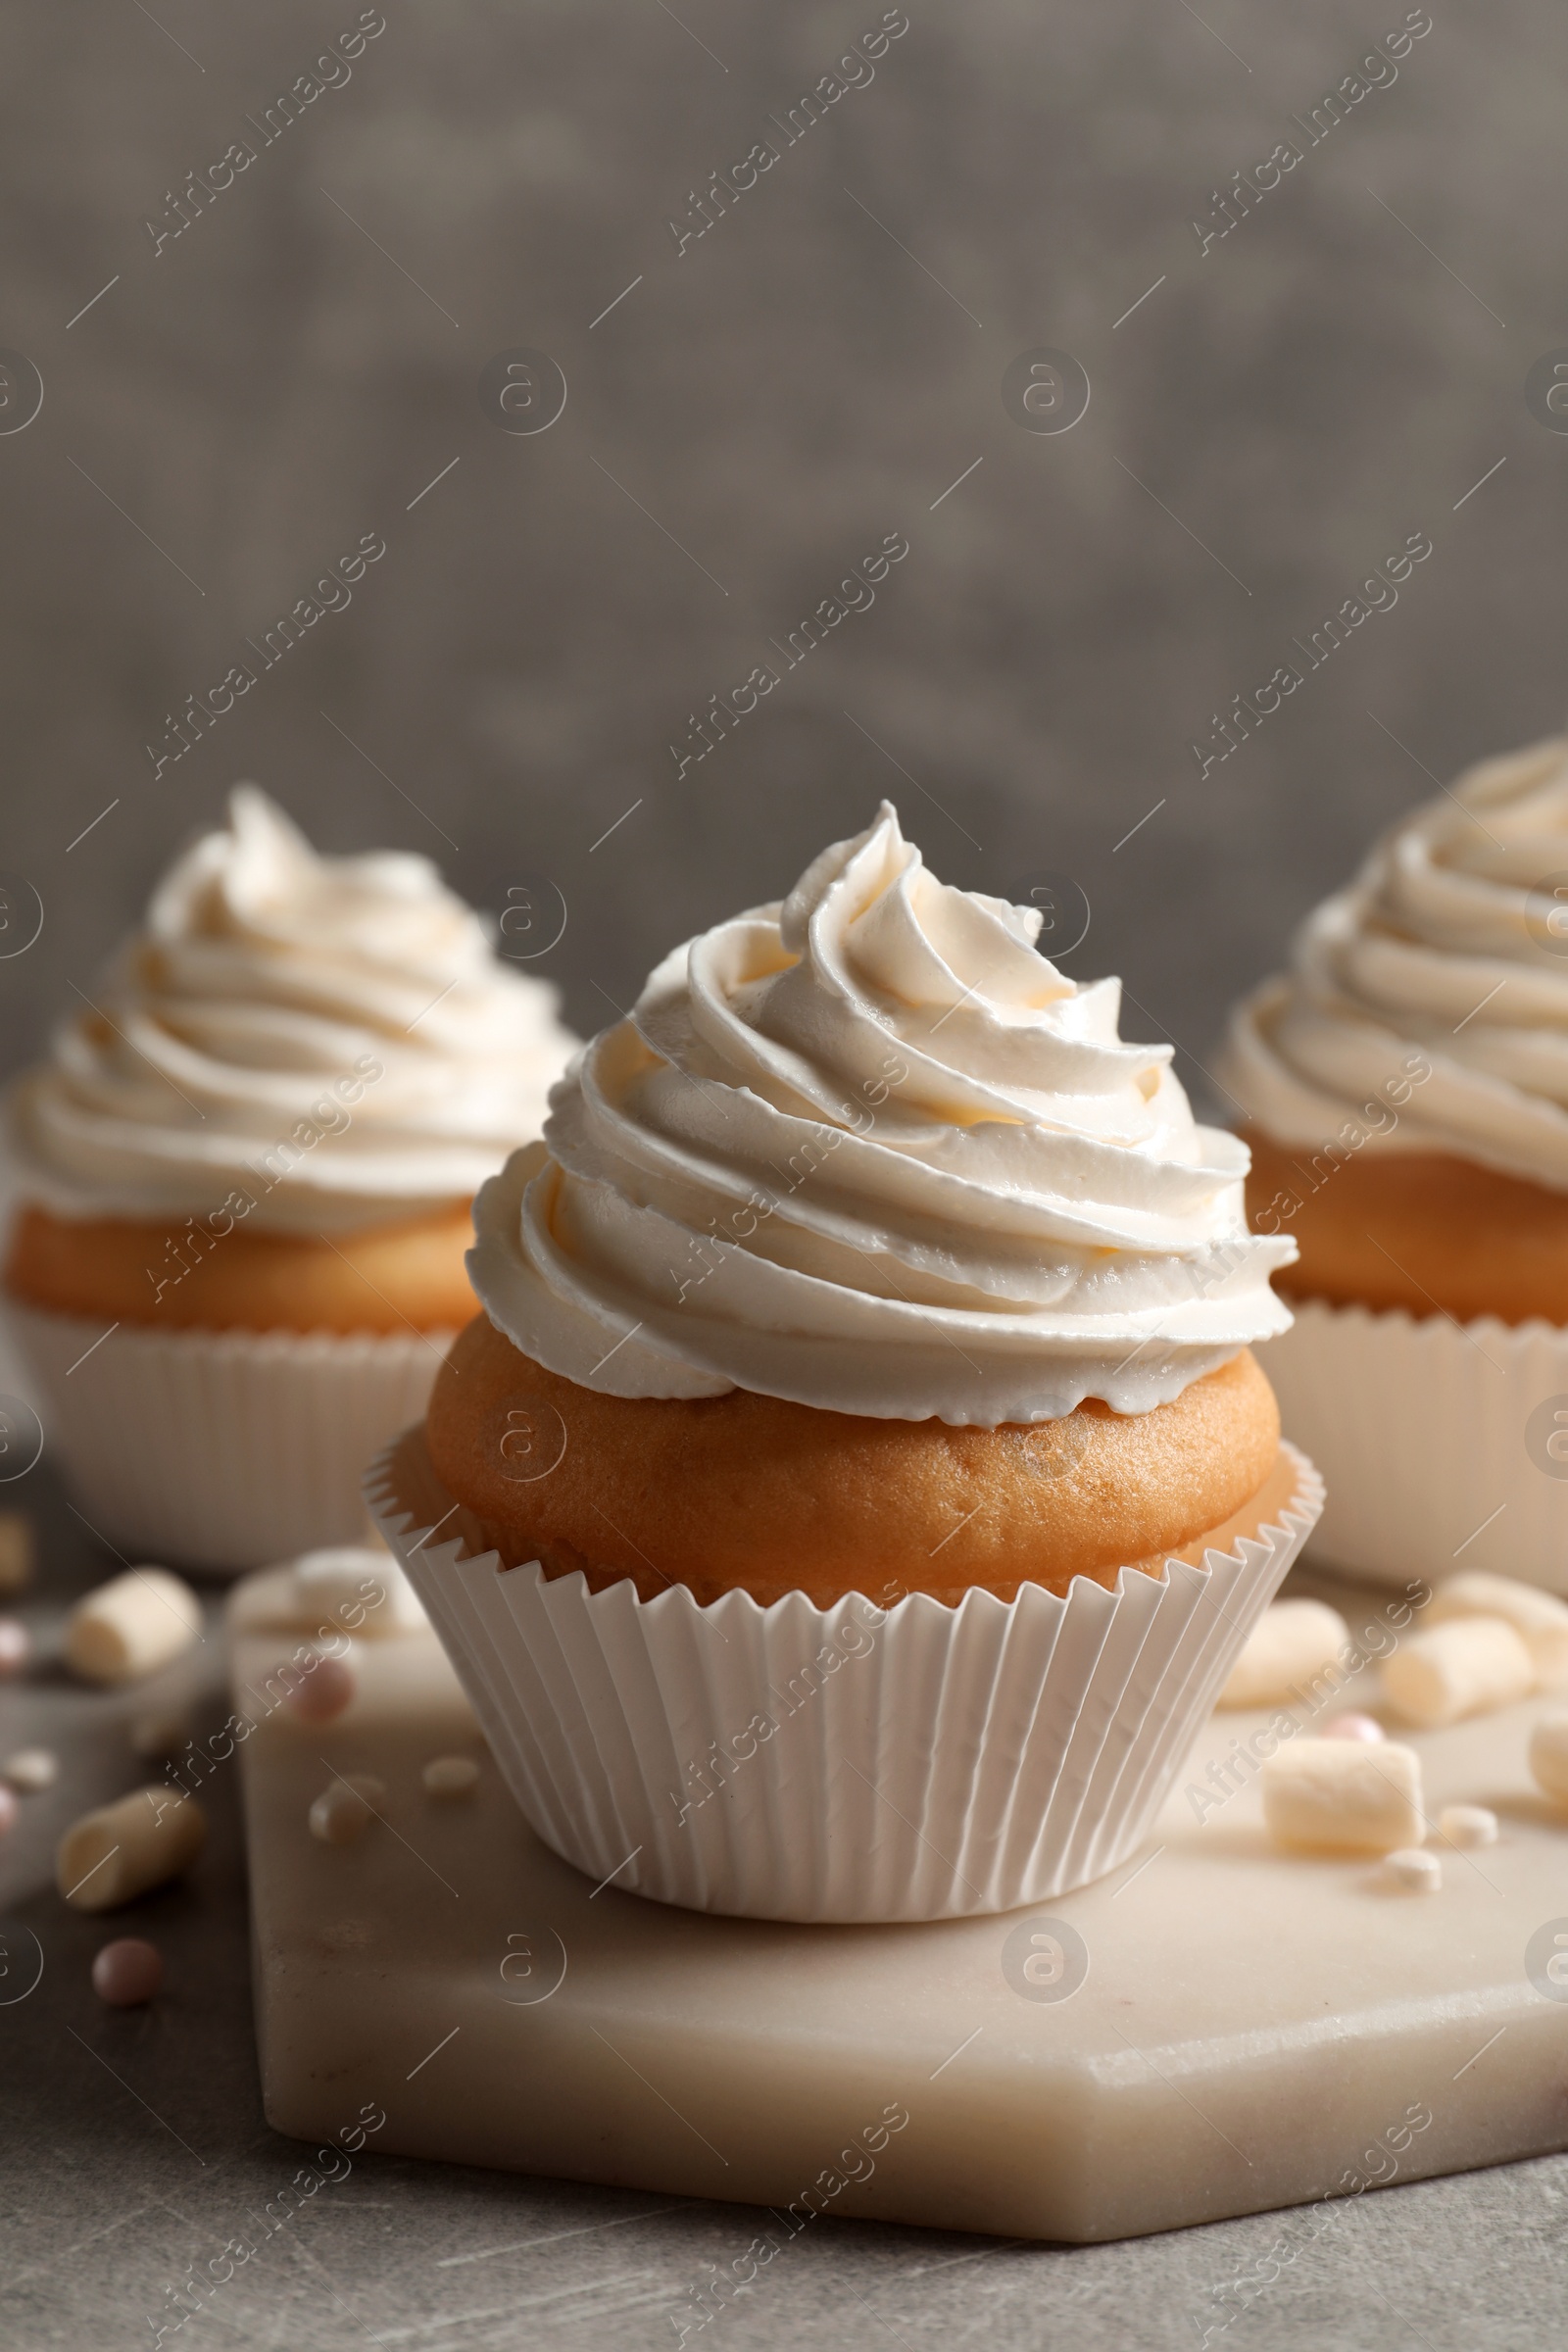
(756,412)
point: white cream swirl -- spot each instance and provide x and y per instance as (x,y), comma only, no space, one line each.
(1448,952)
(869,1151)
(331,1036)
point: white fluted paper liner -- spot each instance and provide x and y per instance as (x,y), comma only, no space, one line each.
(220,1449)
(1422,1431)
(947,1761)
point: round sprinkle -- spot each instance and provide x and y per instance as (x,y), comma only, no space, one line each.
(31,1769)
(324,1693)
(339,1815)
(1413,1869)
(1468,1824)
(127,1972)
(451,1776)
(1353,1727)
(16,1647)
(8,1809)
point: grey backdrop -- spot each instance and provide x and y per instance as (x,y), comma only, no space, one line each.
(298,365)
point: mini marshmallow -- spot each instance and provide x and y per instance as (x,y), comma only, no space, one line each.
(451,1776)
(131,1626)
(359,1590)
(1539,1619)
(1291,1643)
(1468,1824)
(1344,1796)
(31,1769)
(109,1856)
(16,1552)
(1460,1668)
(1413,1871)
(1549,1755)
(16,1647)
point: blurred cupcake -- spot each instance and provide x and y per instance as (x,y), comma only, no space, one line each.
(1406,1090)
(859,1485)
(242,1183)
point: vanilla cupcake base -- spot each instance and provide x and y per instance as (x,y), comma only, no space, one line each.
(1432,1437)
(850,1763)
(224,1450)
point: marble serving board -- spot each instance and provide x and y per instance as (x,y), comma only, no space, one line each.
(1216,2030)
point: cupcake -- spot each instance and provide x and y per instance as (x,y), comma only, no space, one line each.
(242,1183)
(1406,1096)
(858,1482)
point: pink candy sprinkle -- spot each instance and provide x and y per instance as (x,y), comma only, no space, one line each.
(16,1646)
(8,1808)
(324,1691)
(1353,1727)
(128,1973)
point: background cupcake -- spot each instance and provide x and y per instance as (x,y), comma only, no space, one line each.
(867,1344)
(241,1186)
(1405,1087)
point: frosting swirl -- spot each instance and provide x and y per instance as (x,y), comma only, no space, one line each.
(869,1151)
(1449,955)
(330,1036)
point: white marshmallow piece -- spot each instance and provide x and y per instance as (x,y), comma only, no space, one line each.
(1291,1643)
(1468,1824)
(1344,1796)
(1539,1619)
(131,1626)
(1461,1668)
(1549,1756)
(357,1591)
(1413,1871)
(111,1856)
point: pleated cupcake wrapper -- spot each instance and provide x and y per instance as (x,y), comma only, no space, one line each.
(842,1764)
(221,1450)
(1422,1431)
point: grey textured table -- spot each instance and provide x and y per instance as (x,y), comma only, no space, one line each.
(134,2148)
